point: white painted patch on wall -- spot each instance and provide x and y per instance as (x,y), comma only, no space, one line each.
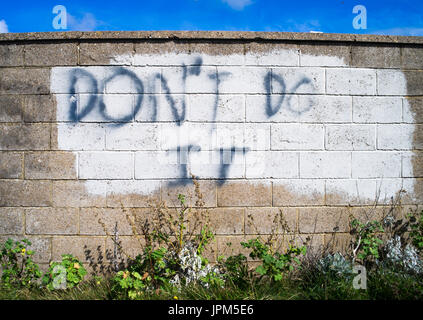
(275,115)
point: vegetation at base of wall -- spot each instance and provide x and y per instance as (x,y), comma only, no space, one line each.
(173,264)
(67,273)
(18,268)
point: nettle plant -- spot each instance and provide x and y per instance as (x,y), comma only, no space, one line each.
(366,240)
(416,230)
(275,261)
(67,273)
(274,264)
(393,241)
(174,240)
(18,268)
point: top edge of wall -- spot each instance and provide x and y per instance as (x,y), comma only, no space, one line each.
(208,35)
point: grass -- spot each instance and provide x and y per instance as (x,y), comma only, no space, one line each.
(307,285)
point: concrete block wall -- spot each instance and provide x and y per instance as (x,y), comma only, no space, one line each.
(93,124)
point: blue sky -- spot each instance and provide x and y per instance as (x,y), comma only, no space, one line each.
(400,17)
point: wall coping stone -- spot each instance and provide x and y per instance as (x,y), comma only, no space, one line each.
(207,36)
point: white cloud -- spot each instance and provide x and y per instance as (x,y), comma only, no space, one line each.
(293,26)
(307,26)
(400,32)
(238,4)
(87,23)
(3,27)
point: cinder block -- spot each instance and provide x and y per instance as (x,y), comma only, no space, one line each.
(418,137)
(50,165)
(159,165)
(21,193)
(166,108)
(25,136)
(368,213)
(412,164)
(298,192)
(272,164)
(270,221)
(237,80)
(117,53)
(221,164)
(377,109)
(338,242)
(189,79)
(39,108)
(89,193)
(133,136)
(174,53)
(350,137)
(11,108)
(375,56)
(227,221)
(231,245)
(127,248)
(200,136)
(11,165)
(413,110)
(11,55)
(313,242)
(414,81)
(350,192)
(323,220)
(412,58)
(86,249)
(226,135)
(298,80)
(79,80)
(217,54)
(151,79)
(25,81)
(62,105)
(11,221)
(52,221)
(376,164)
(334,164)
(79,136)
(324,55)
(272,54)
(132,193)
(324,109)
(51,54)
(40,245)
(102,221)
(387,190)
(106,165)
(257,136)
(255,193)
(294,136)
(351,81)
(298,108)
(391,83)
(206,191)
(117,108)
(414,191)
(395,136)
(222,108)
(126,80)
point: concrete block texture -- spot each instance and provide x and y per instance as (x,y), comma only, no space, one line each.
(96,130)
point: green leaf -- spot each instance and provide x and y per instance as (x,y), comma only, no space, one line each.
(261,270)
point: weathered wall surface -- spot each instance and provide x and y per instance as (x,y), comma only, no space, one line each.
(318,125)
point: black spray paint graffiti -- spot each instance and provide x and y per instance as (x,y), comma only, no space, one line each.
(183,161)
(96,100)
(226,160)
(272,109)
